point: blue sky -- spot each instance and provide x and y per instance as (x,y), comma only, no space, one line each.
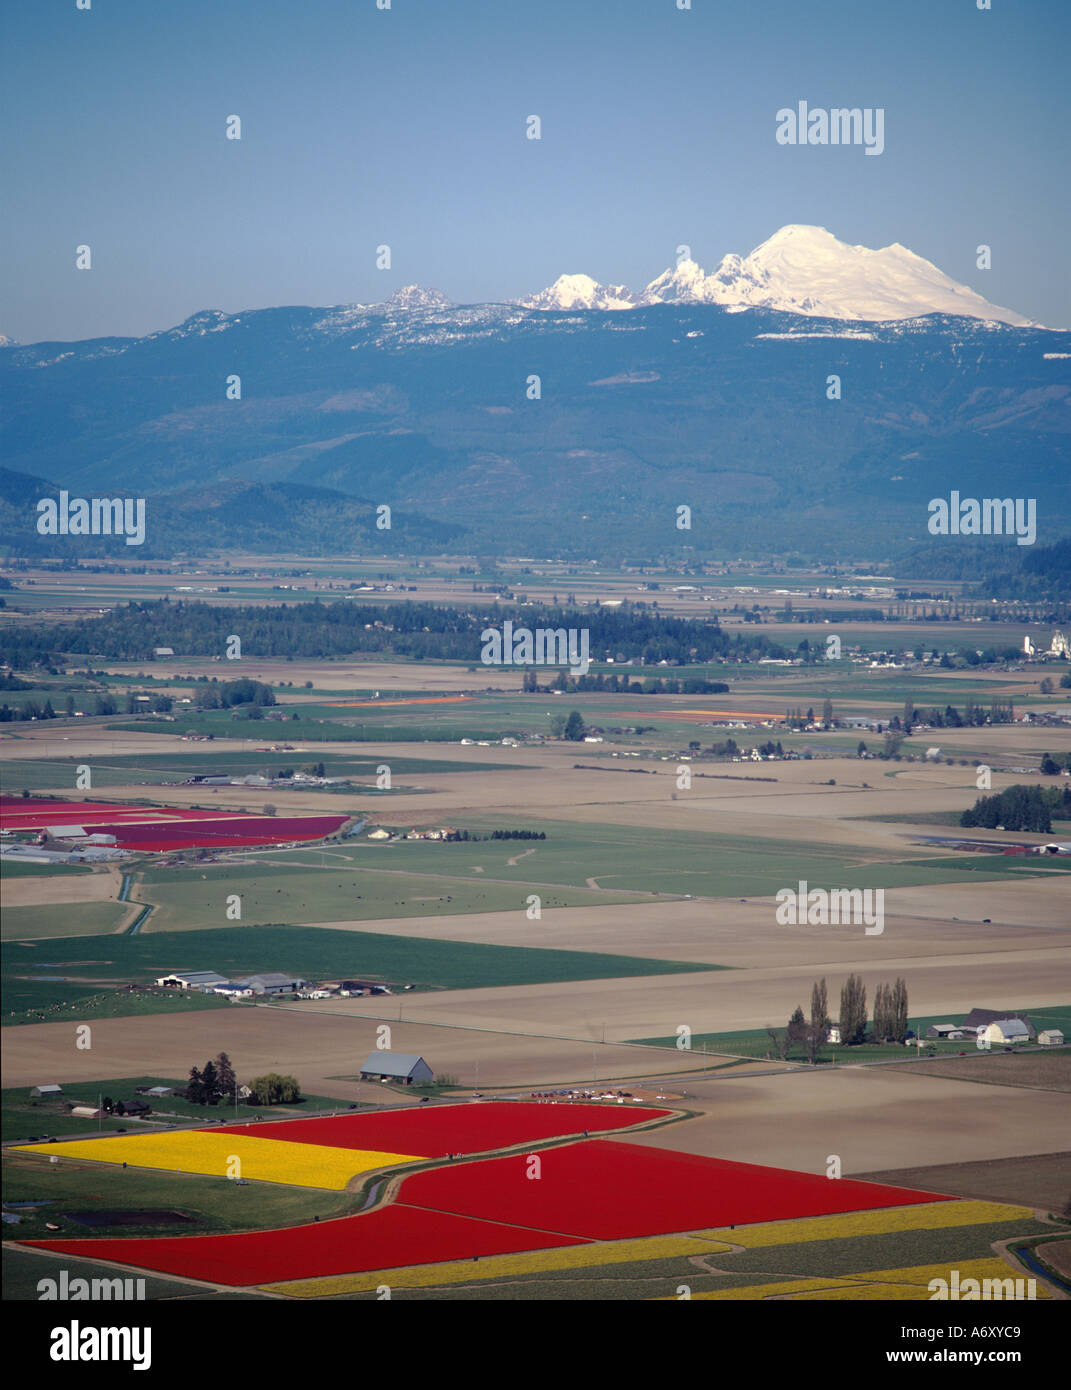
(407,127)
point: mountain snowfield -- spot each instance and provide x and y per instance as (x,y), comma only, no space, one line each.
(799,270)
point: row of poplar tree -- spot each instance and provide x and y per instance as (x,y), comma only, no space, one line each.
(890,1022)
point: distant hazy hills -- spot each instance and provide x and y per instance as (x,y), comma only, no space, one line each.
(279,518)
(500,428)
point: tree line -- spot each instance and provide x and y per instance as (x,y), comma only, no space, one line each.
(216,1083)
(811,1033)
(315,629)
(1020,808)
(622,685)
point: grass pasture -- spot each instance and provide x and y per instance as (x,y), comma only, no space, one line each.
(625,858)
(334,892)
(14,868)
(66,920)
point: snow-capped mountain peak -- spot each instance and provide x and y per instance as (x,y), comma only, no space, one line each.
(417,297)
(799,270)
(680,284)
(806,270)
(580,292)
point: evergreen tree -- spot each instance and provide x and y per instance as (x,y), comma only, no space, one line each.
(195,1088)
(574,727)
(225,1075)
(210,1083)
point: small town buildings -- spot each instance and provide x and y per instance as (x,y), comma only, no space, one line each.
(396,1066)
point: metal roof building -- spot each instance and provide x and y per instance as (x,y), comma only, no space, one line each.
(191,979)
(396,1066)
(271,983)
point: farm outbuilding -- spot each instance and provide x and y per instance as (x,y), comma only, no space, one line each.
(396,1066)
(1051,1037)
(271,983)
(43,1092)
(191,979)
(978,1019)
(1006,1030)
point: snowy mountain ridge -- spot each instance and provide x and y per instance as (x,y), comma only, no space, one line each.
(799,270)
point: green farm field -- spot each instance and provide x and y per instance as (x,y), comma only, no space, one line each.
(23,1118)
(13,868)
(334,893)
(41,999)
(147,769)
(623,858)
(65,919)
(313,953)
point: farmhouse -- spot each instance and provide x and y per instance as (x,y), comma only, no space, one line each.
(133,1107)
(396,1066)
